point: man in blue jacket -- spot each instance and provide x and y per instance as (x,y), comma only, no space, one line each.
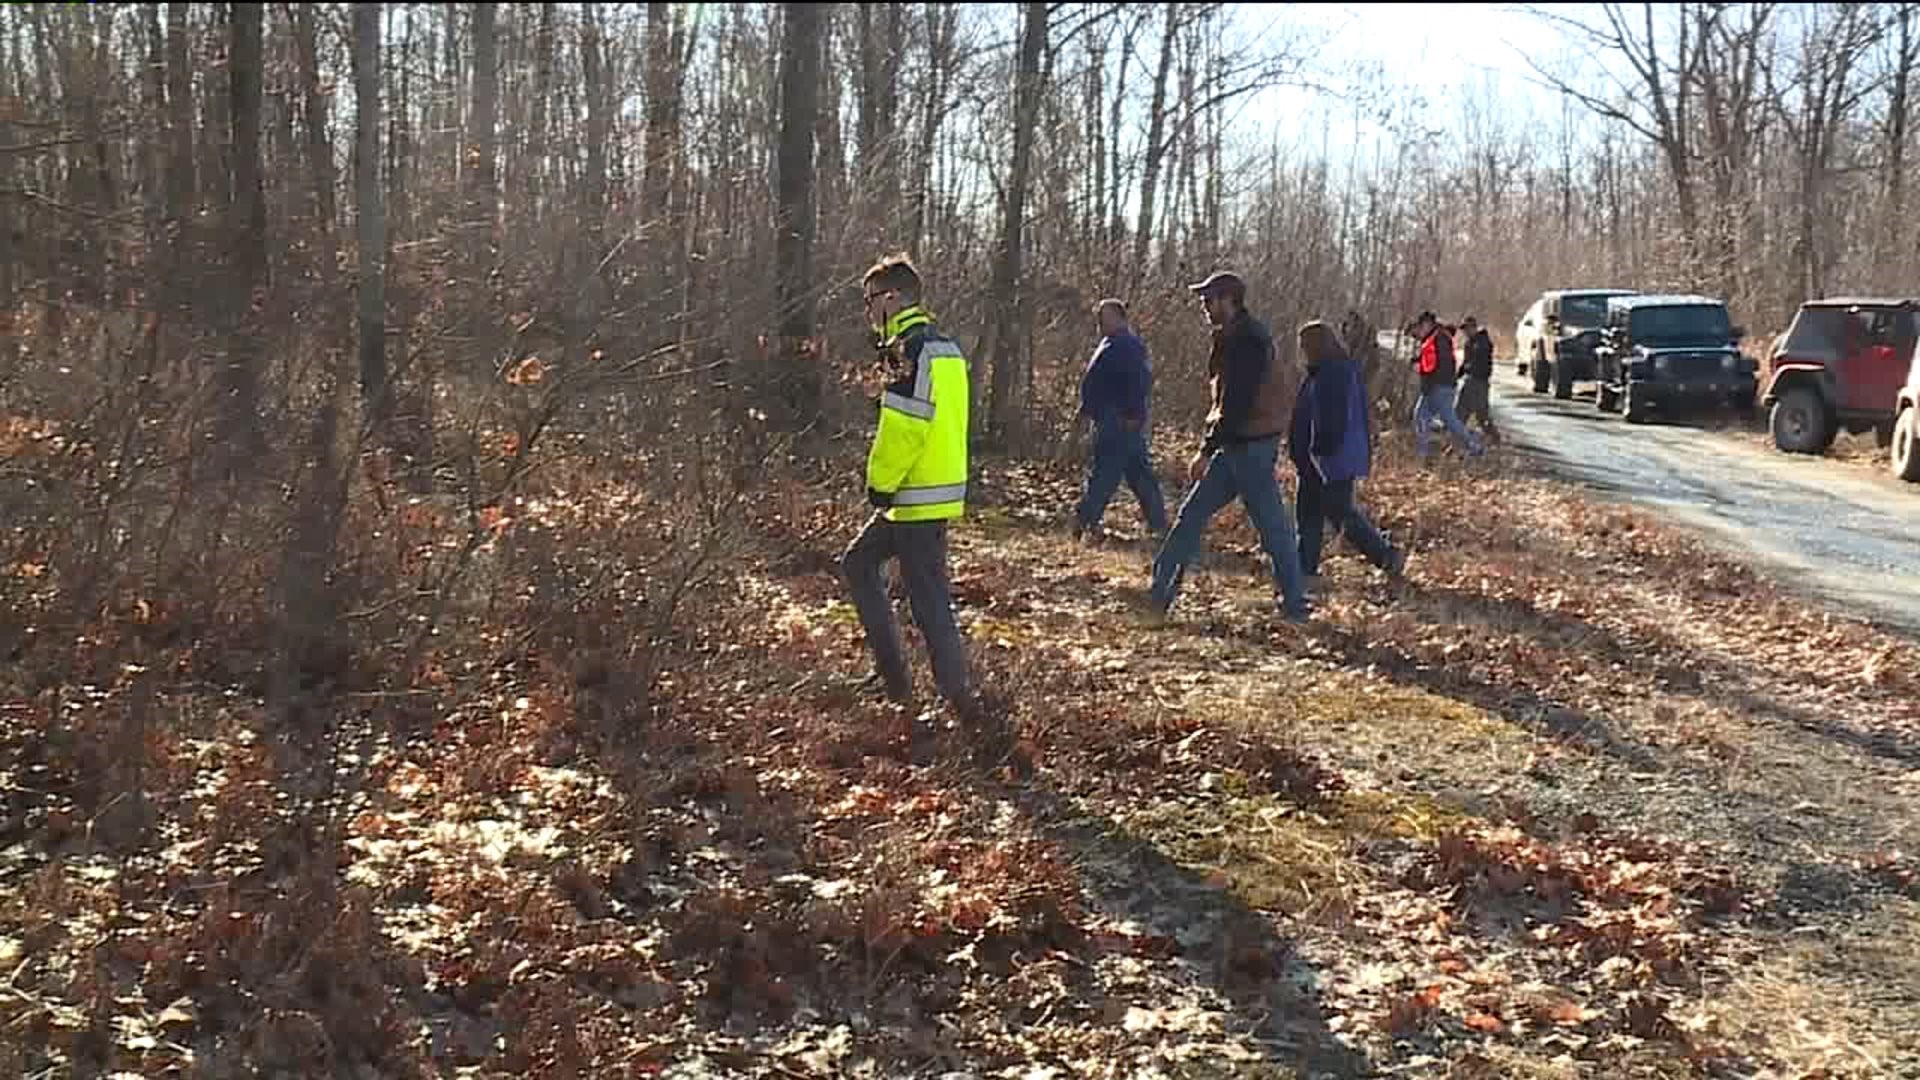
(1331,446)
(1114,395)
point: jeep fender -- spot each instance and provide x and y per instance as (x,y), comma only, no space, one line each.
(1786,376)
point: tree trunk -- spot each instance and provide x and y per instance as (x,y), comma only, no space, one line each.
(153,160)
(181,188)
(319,138)
(1156,133)
(881,29)
(400,141)
(1009,306)
(941,23)
(370,212)
(247,225)
(532,174)
(800,66)
(1893,235)
(483,198)
(1117,185)
(593,210)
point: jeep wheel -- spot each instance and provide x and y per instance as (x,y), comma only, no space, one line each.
(1562,381)
(1906,446)
(1540,371)
(1607,398)
(1799,422)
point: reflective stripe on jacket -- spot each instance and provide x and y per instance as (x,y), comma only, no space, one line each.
(917,467)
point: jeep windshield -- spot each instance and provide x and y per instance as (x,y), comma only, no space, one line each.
(1583,312)
(1694,324)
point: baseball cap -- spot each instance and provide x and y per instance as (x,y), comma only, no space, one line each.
(1218,282)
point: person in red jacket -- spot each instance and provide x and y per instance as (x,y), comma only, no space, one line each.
(1435,363)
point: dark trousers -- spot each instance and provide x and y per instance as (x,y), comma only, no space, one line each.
(1321,504)
(1122,455)
(921,547)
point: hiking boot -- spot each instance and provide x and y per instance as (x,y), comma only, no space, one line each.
(1298,616)
(923,744)
(877,685)
(1397,565)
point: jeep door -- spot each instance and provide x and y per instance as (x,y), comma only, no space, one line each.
(1879,343)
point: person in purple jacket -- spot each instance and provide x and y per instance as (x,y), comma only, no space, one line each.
(1114,395)
(1331,444)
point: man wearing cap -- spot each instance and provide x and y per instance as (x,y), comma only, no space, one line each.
(1237,458)
(1113,396)
(1474,401)
(1435,363)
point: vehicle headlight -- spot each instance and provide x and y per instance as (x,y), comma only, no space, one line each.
(1730,362)
(1662,365)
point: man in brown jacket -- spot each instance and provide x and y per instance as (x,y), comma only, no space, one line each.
(1251,403)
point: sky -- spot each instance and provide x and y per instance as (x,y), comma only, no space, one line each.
(1443,53)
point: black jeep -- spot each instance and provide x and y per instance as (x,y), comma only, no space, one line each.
(1667,352)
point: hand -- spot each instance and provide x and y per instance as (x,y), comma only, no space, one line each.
(1197,468)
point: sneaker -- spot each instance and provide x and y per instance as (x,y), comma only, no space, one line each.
(1297,616)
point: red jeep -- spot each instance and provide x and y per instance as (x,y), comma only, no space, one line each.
(1906,426)
(1841,365)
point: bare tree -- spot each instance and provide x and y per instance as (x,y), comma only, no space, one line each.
(247,218)
(1826,92)
(1156,145)
(483,150)
(1658,103)
(804,33)
(1009,309)
(369,210)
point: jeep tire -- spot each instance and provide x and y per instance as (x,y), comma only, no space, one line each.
(1800,423)
(1607,398)
(1562,380)
(1540,371)
(1906,445)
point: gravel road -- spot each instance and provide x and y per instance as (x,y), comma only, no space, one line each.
(1843,535)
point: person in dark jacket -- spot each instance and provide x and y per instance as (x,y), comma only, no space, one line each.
(1435,364)
(1476,378)
(1331,444)
(1238,456)
(1114,396)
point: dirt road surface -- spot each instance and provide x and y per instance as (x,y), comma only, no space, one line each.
(1848,537)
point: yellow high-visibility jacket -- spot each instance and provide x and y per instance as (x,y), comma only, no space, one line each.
(917,467)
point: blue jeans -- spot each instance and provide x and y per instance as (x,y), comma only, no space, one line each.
(1321,504)
(1436,403)
(1119,454)
(1245,472)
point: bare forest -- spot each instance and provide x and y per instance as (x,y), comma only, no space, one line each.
(428,432)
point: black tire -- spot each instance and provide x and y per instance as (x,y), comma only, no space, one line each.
(1540,371)
(1800,423)
(1607,398)
(1562,381)
(1906,445)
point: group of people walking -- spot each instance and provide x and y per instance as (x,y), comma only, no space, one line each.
(917,464)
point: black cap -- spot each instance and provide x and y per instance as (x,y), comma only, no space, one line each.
(1218,282)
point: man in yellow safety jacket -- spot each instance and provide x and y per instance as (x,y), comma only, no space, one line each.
(917,481)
